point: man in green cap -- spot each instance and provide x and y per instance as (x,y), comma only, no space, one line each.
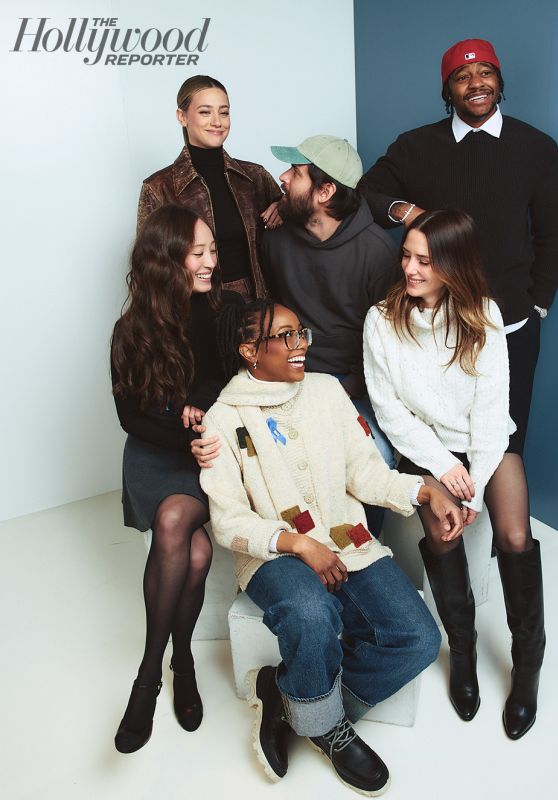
(329,262)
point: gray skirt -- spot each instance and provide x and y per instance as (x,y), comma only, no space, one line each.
(151,473)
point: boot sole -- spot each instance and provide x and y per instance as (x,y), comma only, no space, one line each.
(365,792)
(254,702)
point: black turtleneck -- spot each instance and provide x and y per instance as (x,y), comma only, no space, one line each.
(232,244)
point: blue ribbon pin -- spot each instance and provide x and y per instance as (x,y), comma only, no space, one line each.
(275,432)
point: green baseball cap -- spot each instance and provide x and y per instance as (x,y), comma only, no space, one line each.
(333,155)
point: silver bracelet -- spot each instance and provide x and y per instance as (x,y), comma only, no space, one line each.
(397,221)
(407,212)
(542,312)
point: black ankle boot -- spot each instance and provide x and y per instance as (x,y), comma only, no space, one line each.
(521,576)
(271,730)
(448,575)
(355,763)
(188,707)
(137,723)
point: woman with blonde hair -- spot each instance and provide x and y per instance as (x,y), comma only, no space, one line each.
(235,198)
(436,366)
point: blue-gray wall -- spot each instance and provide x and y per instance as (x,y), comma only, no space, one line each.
(398,52)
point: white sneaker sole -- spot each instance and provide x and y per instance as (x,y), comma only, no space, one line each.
(374,793)
(255,702)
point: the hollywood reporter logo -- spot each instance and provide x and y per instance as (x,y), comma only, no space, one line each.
(100,38)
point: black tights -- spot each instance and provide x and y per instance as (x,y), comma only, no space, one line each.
(507,499)
(174,583)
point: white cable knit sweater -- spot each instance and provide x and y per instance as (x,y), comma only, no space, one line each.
(327,466)
(427,409)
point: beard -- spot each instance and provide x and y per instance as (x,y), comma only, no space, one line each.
(297,210)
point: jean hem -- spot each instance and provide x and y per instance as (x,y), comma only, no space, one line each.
(355,707)
(315,716)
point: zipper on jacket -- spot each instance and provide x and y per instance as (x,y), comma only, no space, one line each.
(211,210)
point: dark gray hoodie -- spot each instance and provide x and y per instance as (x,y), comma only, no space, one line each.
(331,285)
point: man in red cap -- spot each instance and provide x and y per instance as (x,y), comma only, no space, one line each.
(504,173)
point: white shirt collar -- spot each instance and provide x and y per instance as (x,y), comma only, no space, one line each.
(493,126)
(257,380)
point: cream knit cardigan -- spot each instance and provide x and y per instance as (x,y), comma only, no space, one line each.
(327,466)
(427,409)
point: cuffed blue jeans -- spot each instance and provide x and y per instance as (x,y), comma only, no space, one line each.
(345,651)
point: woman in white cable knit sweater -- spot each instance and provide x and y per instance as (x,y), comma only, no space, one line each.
(296,463)
(436,367)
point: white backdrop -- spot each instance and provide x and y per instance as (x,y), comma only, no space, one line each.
(78,139)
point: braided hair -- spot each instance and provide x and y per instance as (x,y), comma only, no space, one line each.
(240,324)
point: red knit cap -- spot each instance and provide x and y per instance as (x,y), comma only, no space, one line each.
(467,52)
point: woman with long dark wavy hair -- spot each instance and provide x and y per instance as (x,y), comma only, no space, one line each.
(235,198)
(166,372)
(436,367)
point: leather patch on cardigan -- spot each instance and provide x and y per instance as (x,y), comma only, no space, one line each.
(240,544)
(339,534)
(241,434)
(289,514)
(304,522)
(365,426)
(245,442)
(359,535)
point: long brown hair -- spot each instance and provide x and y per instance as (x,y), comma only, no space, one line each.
(189,88)
(455,258)
(151,352)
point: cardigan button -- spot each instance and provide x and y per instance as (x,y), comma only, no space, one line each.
(302,465)
(308,498)
(293,434)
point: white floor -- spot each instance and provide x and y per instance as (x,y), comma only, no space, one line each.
(71,617)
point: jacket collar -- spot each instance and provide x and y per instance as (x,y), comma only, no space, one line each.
(184,173)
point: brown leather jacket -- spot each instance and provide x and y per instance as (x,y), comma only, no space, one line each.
(252,187)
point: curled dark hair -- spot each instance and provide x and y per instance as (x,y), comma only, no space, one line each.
(454,254)
(344,202)
(151,352)
(446,94)
(240,324)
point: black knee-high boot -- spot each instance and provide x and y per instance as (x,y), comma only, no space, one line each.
(521,576)
(448,575)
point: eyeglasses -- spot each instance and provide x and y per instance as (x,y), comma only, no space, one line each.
(292,338)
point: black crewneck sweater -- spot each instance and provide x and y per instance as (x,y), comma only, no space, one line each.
(232,243)
(508,185)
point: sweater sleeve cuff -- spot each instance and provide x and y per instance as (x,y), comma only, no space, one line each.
(273,540)
(476,503)
(415,491)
